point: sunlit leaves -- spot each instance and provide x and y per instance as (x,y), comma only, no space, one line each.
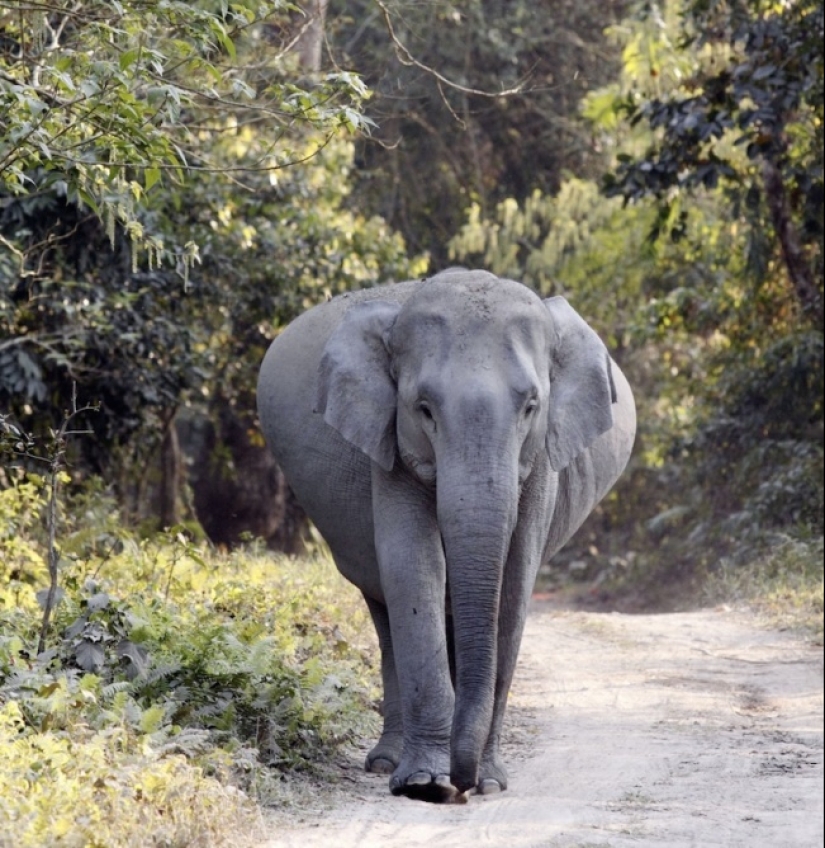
(464,148)
(167,664)
(107,94)
(753,95)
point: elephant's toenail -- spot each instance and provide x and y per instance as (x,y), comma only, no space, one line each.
(380,765)
(420,778)
(488,786)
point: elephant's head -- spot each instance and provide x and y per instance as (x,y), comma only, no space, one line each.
(390,369)
(464,386)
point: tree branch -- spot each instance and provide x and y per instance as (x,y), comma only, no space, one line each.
(57,462)
(406,58)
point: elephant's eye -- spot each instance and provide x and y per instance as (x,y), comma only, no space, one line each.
(531,407)
(424,409)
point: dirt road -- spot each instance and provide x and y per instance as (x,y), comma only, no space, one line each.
(691,729)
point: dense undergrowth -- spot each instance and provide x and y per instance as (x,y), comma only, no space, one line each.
(179,689)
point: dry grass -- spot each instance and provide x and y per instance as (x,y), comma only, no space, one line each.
(784,586)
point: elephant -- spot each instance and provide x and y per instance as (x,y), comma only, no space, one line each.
(446,436)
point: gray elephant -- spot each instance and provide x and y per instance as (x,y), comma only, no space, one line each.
(446,436)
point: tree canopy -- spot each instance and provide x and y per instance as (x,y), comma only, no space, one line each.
(478,99)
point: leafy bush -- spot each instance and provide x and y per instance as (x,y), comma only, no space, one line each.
(177,687)
(79,787)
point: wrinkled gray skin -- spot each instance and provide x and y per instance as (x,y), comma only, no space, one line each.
(446,437)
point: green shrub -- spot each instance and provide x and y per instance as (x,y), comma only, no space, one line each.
(178,686)
(90,789)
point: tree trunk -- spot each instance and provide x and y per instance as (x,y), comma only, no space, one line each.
(238,489)
(170,476)
(793,255)
(311,40)
(290,537)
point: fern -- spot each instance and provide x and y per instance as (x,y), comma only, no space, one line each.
(108,691)
(156,674)
(190,742)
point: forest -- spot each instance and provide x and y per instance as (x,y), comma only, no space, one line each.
(179,180)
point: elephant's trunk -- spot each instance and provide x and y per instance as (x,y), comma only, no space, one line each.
(477,515)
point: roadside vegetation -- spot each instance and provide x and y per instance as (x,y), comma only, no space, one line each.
(178,691)
(783,586)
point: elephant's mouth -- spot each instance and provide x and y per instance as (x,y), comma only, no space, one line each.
(423,470)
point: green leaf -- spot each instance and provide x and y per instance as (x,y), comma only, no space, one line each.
(89,200)
(225,40)
(89,655)
(128,58)
(151,176)
(151,719)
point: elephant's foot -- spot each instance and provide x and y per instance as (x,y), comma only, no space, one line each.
(426,778)
(492,776)
(385,756)
(424,786)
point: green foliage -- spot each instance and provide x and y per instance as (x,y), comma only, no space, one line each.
(20,507)
(572,243)
(747,116)
(171,672)
(104,102)
(139,345)
(82,788)
(272,251)
(180,190)
(767,77)
(726,365)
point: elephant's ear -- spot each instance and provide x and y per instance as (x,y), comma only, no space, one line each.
(582,391)
(356,392)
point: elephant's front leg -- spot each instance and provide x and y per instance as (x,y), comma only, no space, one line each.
(537,499)
(413,580)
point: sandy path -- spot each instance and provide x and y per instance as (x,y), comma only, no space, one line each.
(694,729)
